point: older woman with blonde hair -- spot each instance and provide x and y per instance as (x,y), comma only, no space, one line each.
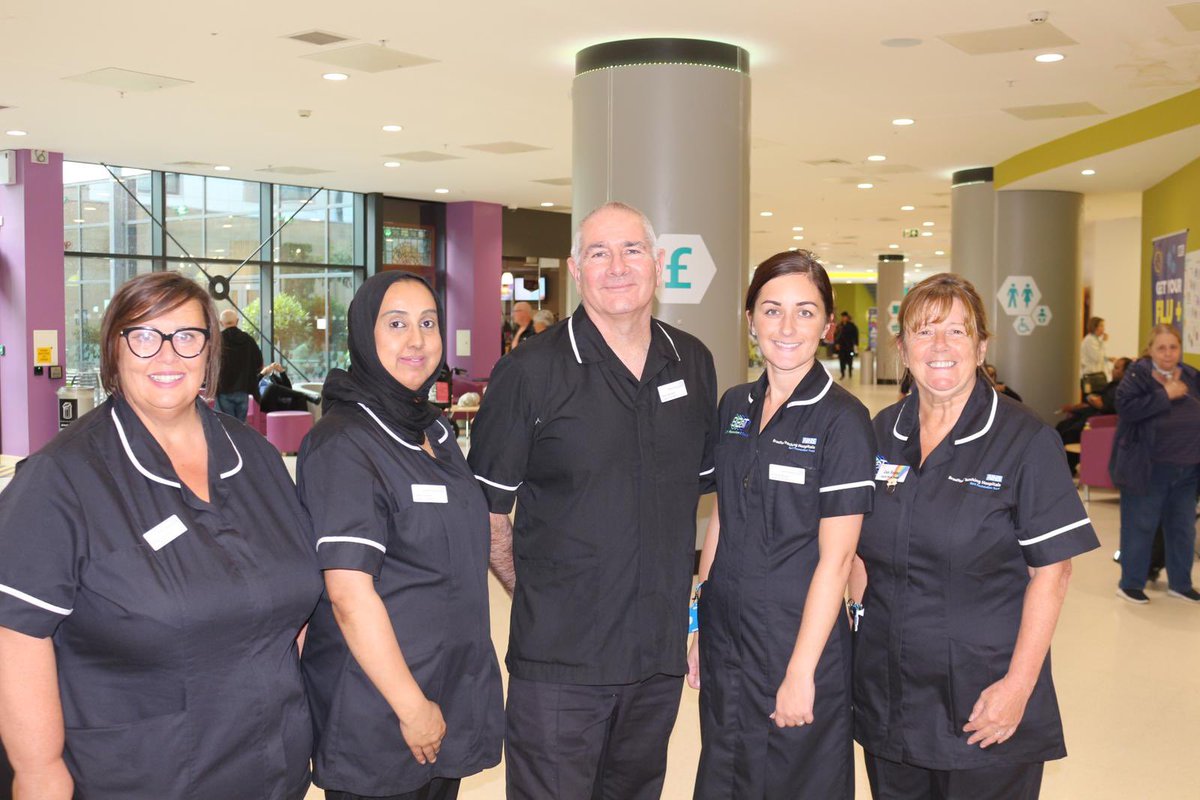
(963,567)
(1154,463)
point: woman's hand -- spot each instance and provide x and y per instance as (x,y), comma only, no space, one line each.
(693,662)
(794,701)
(997,713)
(52,783)
(423,730)
(1175,386)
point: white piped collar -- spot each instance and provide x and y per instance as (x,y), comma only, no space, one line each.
(394,435)
(968,410)
(133,459)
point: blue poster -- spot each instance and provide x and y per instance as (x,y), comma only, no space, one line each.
(1166,280)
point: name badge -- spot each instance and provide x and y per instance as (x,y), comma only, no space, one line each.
(429,493)
(164,532)
(892,473)
(778,472)
(672,391)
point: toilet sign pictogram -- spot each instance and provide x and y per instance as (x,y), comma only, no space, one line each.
(1019,295)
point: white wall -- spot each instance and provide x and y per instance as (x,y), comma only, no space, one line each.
(1112,230)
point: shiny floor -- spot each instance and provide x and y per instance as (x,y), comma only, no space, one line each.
(1128,680)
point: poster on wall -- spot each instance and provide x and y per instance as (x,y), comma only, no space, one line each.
(1191,302)
(1166,279)
(872,328)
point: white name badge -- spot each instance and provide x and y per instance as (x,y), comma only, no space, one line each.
(778,472)
(429,493)
(892,473)
(672,391)
(165,532)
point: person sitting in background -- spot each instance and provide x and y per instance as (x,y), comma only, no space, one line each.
(1155,465)
(276,392)
(1000,387)
(1105,402)
(543,319)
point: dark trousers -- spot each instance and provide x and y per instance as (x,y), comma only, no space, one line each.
(437,789)
(892,780)
(572,742)
(1171,502)
(235,404)
(846,361)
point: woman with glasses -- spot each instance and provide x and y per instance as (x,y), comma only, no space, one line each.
(155,574)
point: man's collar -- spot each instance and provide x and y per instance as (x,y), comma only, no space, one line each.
(589,345)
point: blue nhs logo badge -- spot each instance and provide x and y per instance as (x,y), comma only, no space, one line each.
(688,268)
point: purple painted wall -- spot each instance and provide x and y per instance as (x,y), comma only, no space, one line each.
(32,297)
(473,266)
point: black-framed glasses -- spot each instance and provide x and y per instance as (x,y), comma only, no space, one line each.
(145,342)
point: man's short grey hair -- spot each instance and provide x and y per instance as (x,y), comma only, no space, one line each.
(613,205)
(545,316)
(228,318)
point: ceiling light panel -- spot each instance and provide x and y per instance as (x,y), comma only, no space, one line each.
(126,80)
(1054,111)
(1009,40)
(319,38)
(368,58)
(506,148)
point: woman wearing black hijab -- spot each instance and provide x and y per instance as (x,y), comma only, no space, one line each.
(401,673)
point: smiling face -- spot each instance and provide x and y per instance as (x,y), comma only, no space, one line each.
(1165,351)
(165,383)
(943,355)
(789,320)
(616,270)
(407,337)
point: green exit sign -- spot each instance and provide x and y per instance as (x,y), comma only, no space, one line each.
(912,233)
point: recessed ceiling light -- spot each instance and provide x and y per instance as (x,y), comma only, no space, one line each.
(89,208)
(927,224)
(1088,172)
(918,266)
(547,205)
(797,238)
(797,228)
(939,252)
(17,133)
(876,158)
(839,266)
(393,128)
(336,76)
(902,121)
(79,221)
(893,247)
(908,208)
(793,249)
(927,233)
(391,164)
(441,191)
(766,213)
(1049,58)
(221,168)
(866,186)
(227,225)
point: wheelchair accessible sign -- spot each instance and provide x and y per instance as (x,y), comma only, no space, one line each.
(688,268)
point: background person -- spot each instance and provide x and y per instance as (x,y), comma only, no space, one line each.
(155,571)
(543,319)
(403,680)
(1093,361)
(846,344)
(775,713)
(1070,428)
(241,362)
(601,430)
(966,560)
(522,323)
(1154,464)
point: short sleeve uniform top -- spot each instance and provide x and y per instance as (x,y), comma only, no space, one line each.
(947,552)
(419,525)
(174,620)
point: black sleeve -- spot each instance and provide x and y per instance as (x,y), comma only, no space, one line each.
(1139,396)
(502,435)
(848,464)
(708,464)
(1052,524)
(42,542)
(341,491)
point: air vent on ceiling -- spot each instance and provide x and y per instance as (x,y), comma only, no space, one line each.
(1008,40)
(554,181)
(191,164)
(319,38)
(1054,111)
(422,155)
(293,170)
(1188,15)
(505,148)
(126,80)
(828,162)
(368,58)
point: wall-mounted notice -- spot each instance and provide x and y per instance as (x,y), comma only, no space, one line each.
(1191,302)
(1166,279)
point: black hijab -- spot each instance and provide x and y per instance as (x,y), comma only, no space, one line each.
(406,411)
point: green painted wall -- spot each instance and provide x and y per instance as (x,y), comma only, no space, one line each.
(1172,205)
(855,298)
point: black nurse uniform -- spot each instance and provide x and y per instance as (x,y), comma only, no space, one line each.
(948,551)
(813,460)
(174,620)
(420,526)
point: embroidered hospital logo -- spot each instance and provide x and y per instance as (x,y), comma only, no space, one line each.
(738,425)
(807,445)
(991,483)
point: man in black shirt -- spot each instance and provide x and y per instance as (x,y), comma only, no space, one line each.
(241,361)
(601,430)
(847,344)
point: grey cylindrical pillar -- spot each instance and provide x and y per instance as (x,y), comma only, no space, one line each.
(1038,256)
(663,124)
(889,282)
(973,231)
